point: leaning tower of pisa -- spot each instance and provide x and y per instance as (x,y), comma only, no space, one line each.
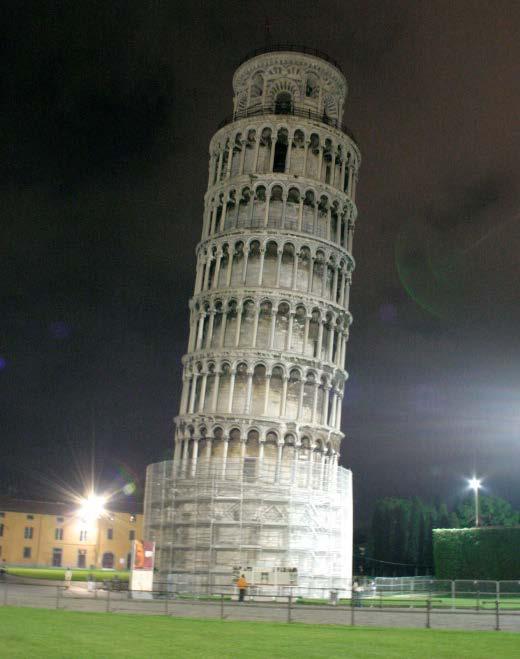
(254,483)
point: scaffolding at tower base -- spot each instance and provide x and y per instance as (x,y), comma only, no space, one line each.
(251,515)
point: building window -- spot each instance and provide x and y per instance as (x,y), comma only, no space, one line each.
(28,532)
(30,516)
(132,519)
(82,558)
(56,557)
(1,530)
(59,520)
(58,534)
(27,552)
(131,535)
(108,560)
(83,535)
(110,534)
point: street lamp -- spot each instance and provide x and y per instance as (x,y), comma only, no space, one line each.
(475,484)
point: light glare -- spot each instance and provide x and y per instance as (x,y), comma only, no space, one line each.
(475,483)
(92,508)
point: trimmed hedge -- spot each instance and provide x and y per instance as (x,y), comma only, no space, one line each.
(479,553)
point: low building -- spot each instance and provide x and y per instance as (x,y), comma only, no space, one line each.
(50,534)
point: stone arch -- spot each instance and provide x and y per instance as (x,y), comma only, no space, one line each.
(263,337)
(270,264)
(281,326)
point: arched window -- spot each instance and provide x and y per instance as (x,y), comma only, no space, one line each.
(253,264)
(223,388)
(270,264)
(257,86)
(280,151)
(281,327)
(263,334)
(275,392)
(247,323)
(283,103)
(293,394)
(259,207)
(311,86)
(231,325)
(275,207)
(238,264)
(258,397)
(210,388)
(240,391)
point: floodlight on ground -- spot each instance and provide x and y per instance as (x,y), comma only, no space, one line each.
(475,484)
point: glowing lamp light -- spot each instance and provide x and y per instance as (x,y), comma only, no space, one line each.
(475,483)
(92,508)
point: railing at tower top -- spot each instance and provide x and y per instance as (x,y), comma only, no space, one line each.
(294,111)
(291,48)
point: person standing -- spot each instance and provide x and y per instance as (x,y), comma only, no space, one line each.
(242,586)
(68,578)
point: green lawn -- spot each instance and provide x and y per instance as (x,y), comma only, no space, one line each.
(72,635)
(58,574)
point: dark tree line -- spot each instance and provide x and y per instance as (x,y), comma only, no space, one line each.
(400,539)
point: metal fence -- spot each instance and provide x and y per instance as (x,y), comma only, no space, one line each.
(421,608)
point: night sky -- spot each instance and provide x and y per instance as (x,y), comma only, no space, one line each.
(107,112)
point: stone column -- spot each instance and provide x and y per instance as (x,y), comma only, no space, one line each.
(217,270)
(209,337)
(255,324)
(295,269)
(231,390)
(184,395)
(239,323)
(184,458)
(200,330)
(192,393)
(306,333)
(223,325)
(194,456)
(332,423)
(224,455)
(260,457)
(278,462)
(242,157)
(248,392)
(300,399)
(284,396)
(330,342)
(261,269)
(202,396)
(266,393)
(325,409)
(214,400)
(289,331)
(278,266)
(320,338)
(311,275)
(315,402)
(339,410)
(273,328)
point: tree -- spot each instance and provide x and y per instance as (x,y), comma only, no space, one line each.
(493,511)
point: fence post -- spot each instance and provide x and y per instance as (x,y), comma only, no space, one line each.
(428,613)
(497,616)
(166,602)
(352,613)
(108,599)
(222,606)
(5,592)
(289,602)
(452,595)
(58,592)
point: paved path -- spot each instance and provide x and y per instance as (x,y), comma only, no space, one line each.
(79,599)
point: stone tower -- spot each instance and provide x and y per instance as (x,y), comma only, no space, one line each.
(254,481)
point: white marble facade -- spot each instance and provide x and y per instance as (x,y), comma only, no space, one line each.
(254,477)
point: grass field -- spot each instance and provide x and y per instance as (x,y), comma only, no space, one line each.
(39,633)
(58,574)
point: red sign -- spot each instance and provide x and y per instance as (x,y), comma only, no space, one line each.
(143,555)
